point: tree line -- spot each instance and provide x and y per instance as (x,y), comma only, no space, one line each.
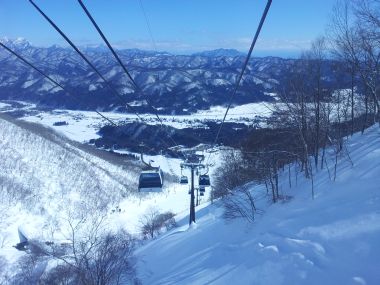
(332,91)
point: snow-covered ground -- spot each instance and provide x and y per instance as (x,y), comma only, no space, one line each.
(55,176)
(333,239)
(43,177)
(4,106)
(175,197)
(81,127)
(45,181)
(84,125)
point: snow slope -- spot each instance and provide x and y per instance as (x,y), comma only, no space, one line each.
(45,180)
(333,239)
(43,177)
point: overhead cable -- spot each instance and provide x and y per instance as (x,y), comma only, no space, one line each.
(138,89)
(244,67)
(115,92)
(50,79)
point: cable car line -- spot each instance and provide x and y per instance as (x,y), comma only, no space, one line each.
(149,181)
(95,69)
(107,43)
(50,79)
(153,41)
(148,25)
(137,88)
(149,31)
(203,179)
(84,58)
(263,17)
(60,85)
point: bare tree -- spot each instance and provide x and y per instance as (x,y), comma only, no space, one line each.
(153,221)
(149,223)
(230,174)
(93,255)
(31,266)
(355,35)
(241,204)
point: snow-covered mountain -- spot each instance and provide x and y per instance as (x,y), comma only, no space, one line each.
(39,164)
(171,82)
(333,239)
(46,180)
(220,52)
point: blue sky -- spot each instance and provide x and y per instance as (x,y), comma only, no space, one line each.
(180,26)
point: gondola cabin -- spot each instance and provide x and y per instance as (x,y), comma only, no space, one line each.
(150,181)
(184,180)
(204,180)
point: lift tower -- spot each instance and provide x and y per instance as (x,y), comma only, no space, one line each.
(192,167)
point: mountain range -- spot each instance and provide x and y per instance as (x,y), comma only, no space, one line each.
(173,84)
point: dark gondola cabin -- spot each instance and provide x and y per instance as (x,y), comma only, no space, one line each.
(204,180)
(184,180)
(150,181)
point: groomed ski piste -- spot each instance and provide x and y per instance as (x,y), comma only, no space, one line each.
(331,239)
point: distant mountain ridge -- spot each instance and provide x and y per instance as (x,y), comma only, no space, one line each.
(173,83)
(220,52)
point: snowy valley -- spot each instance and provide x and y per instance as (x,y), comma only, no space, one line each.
(148,143)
